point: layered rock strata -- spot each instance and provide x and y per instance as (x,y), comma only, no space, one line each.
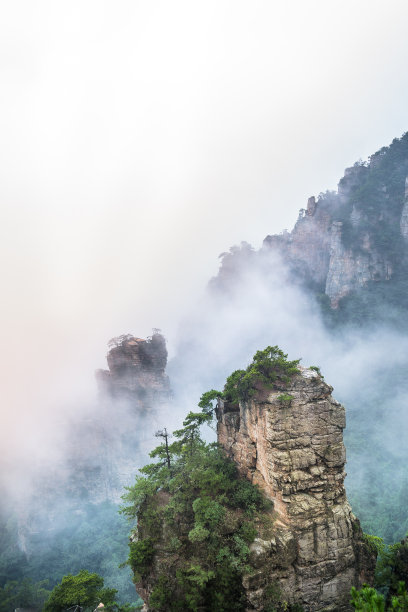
(290,443)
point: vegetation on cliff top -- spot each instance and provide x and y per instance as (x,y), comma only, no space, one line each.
(269,368)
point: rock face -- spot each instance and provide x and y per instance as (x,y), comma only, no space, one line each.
(404,215)
(136,370)
(290,443)
(343,241)
(348,270)
(307,247)
(316,252)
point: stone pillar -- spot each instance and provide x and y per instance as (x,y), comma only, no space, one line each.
(293,450)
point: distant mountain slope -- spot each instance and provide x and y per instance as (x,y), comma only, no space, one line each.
(348,247)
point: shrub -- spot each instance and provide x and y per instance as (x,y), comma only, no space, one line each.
(268,368)
(141,555)
(285,400)
(375,544)
(84,587)
(198,534)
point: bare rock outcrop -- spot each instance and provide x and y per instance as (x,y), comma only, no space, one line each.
(290,443)
(136,370)
(315,251)
(307,248)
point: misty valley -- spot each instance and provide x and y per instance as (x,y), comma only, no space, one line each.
(217,479)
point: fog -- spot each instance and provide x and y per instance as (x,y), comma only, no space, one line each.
(141,140)
(262,305)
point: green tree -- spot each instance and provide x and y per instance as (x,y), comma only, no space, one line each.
(162,451)
(269,368)
(392,569)
(367,600)
(85,589)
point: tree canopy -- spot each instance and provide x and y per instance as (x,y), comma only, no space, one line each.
(84,589)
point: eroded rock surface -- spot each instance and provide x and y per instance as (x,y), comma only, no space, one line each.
(307,248)
(349,270)
(293,449)
(137,370)
(315,250)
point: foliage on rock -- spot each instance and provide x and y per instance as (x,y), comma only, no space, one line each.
(196,520)
(285,399)
(270,368)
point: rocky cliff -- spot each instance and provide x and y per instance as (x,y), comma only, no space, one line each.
(136,371)
(290,443)
(344,240)
(307,248)
(337,244)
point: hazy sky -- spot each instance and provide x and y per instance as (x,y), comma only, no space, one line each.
(139,140)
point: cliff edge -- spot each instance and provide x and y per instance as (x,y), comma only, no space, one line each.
(289,441)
